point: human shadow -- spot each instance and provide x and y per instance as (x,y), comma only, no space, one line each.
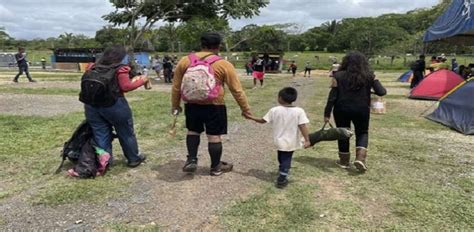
(171,171)
(260,174)
(324,164)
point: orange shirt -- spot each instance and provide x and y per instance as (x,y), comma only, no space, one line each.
(224,72)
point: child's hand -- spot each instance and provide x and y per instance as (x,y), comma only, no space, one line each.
(307,144)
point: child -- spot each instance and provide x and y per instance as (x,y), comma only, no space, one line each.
(293,67)
(307,69)
(286,119)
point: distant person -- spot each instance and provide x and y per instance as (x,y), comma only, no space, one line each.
(454,65)
(349,101)
(293,68)
(22,63)
(258,72)
(167,69)
(157,65)
(115,113)
(463,71)
(208,115)
(307,69)
(334,68)
(470,71)
(418,69)
(248,68)
(287,121)
(43,63)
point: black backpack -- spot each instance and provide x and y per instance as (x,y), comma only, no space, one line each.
(99,86)
(88,162)
(72,148)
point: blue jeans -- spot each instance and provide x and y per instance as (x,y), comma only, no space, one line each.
(119,116)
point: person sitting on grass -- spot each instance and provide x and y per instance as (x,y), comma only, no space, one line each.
(286,120)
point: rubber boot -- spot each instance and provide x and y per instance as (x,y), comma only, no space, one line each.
(344,160)
(361,155)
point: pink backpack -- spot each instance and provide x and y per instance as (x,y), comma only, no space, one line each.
(199,83)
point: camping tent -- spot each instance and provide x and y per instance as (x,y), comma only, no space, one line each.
(456,109)
(436,85)
(455,25)
(406,77)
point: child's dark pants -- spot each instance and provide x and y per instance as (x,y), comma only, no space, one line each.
(284,158)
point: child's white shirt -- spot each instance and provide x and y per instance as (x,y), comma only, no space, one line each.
(285,122)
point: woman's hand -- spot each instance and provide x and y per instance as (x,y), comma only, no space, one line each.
(326,119)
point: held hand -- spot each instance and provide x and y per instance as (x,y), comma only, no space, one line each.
(307,144)
(176,110)
(326,119)
(247,114)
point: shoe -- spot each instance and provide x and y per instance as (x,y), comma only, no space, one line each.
(32,80)
(344,160)
(190,166)
(103,162)
(14,80)
(221,168)
(359,163)
(282,181)
(134,164)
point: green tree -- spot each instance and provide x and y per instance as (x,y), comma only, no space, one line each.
(109,35)
(189,32)
(3,37)
(130,12)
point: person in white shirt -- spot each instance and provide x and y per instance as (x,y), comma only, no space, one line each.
(287,122)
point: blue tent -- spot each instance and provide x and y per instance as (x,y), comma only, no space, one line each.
(456,109)
(455,25)
(406,76)
(142,59)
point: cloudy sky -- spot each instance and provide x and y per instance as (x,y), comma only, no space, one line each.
(27,19)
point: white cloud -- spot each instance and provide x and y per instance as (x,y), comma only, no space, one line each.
(27,19)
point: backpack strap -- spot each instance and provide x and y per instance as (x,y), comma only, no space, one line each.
(213,58)
(194,58)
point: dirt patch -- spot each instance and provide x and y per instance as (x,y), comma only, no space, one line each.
(163,194)
(38,105)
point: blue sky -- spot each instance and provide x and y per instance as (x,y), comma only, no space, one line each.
(27,19)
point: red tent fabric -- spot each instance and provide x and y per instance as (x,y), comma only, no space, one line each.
(436,85)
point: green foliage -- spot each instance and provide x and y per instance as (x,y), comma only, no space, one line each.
(190,31)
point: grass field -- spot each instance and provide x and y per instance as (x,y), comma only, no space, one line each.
(420,173)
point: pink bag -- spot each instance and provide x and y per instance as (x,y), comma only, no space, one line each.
(199,83)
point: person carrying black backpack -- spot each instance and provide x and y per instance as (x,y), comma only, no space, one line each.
(102,91)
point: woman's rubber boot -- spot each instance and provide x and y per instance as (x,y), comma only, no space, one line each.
(361,155)
(344,160)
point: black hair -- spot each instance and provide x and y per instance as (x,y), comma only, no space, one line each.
(434,58)
(113,55)
(422,57)
(211,40)
(288,94)
(357,69)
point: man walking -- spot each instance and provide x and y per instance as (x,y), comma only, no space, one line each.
(20,58)
(418,69)
(208,115)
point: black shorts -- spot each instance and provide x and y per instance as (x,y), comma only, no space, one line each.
(209,118)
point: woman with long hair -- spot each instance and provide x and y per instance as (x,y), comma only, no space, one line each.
(118,116)
(349,101)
